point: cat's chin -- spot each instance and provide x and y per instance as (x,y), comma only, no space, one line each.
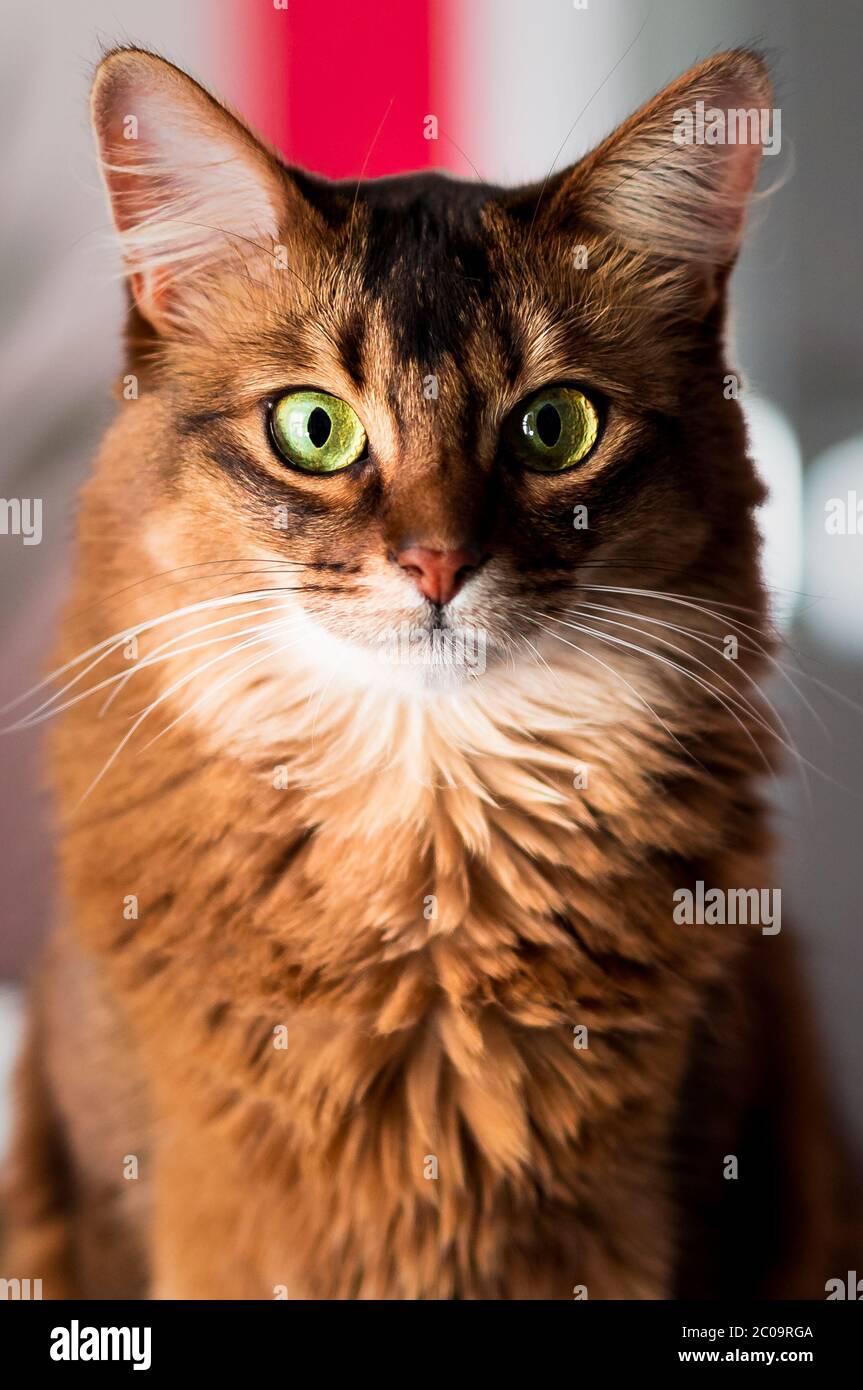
(417,661)
(409,658)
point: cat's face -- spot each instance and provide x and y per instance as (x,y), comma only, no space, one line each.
(435,412)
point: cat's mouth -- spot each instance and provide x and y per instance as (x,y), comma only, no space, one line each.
(380,634)
(428,649)
(444,652)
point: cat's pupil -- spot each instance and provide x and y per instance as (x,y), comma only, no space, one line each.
(548,425)
(319,427)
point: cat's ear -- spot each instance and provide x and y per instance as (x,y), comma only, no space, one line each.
(676,178)
(188,183)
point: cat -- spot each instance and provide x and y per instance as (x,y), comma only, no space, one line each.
(392,709)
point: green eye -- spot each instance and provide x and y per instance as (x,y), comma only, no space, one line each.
(317,432)
(554,430)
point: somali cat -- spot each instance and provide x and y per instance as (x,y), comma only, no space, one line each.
(393,709)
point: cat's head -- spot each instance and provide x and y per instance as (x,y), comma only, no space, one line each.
(436,415)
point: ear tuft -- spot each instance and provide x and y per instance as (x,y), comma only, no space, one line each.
(189,185)
(677,176)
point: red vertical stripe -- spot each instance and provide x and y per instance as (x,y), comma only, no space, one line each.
(255,67)
(341,87)
(359,86)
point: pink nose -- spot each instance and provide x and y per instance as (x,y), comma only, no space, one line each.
(438,574)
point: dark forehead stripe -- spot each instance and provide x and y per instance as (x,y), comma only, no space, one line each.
(423,255)
(426,261)
(509,343)
(350,341)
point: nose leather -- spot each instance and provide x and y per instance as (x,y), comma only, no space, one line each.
(438,574)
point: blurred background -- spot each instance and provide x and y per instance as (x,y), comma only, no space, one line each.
(518,87)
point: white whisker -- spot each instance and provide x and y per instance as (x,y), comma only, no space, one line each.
(121,677)
(686,601)
(232,676)
(804,762)
(697,636)
(101,650)
(611,640)
(161,653)
(637,693)
(672,646)
(160,699)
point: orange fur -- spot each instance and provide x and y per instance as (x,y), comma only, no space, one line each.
(400,873)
